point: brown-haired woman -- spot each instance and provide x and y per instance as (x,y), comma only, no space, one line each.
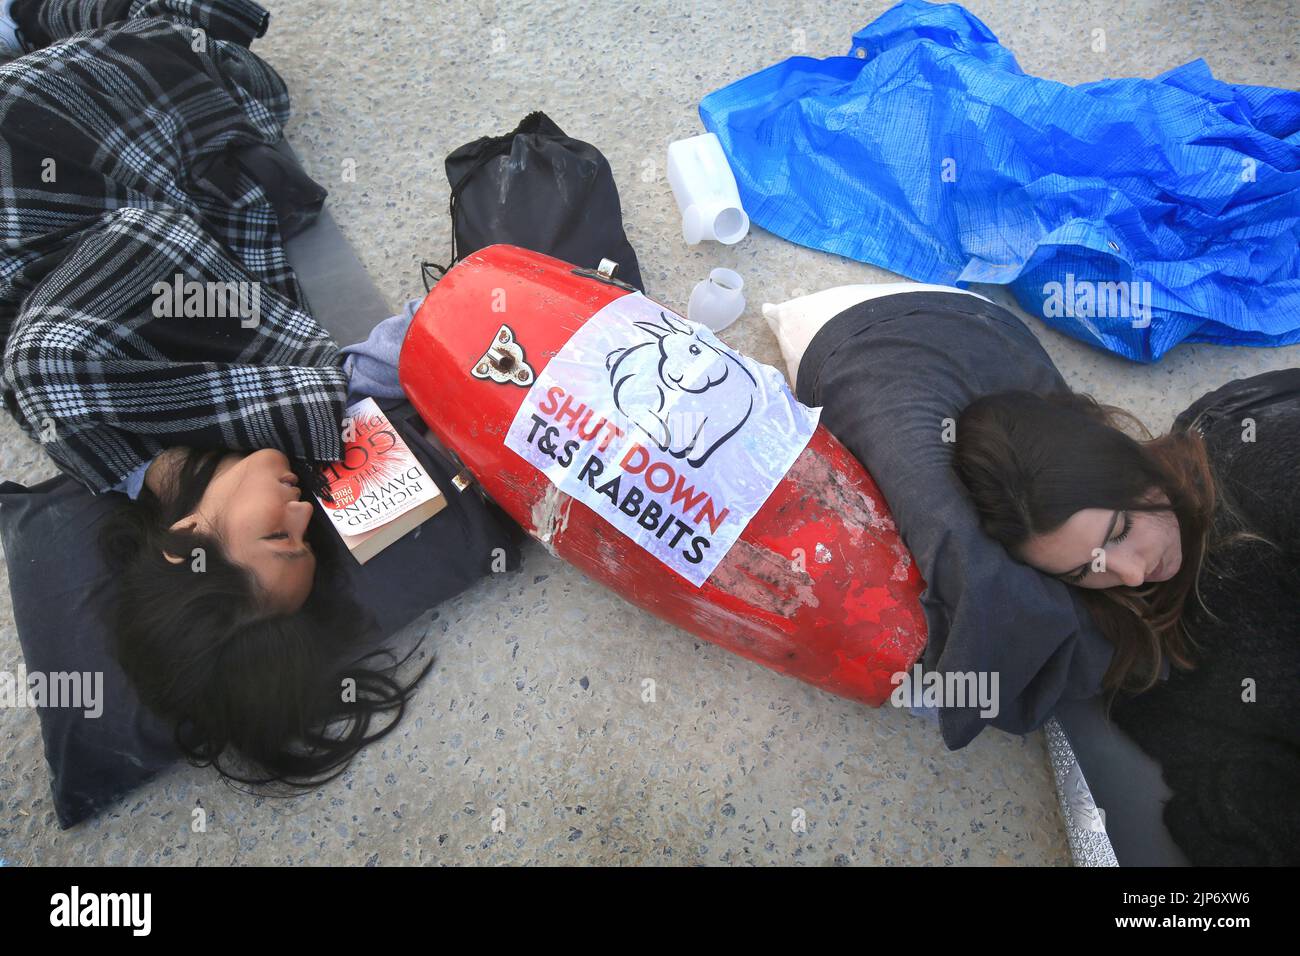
(1188,548)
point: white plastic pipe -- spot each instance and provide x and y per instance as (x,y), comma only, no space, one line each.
(705,190)
(717,301)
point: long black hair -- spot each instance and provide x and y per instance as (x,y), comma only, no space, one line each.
(284,700)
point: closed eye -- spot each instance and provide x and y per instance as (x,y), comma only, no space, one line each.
(1084,571)
(302,552)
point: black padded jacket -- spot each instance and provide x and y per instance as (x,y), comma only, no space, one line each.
(1227,733)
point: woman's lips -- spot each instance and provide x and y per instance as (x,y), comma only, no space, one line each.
(291,481)
(1164,570)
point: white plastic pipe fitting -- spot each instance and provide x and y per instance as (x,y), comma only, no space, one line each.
(717,301)
(705,190)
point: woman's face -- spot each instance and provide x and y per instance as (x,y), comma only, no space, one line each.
(256,505)
(1102,548)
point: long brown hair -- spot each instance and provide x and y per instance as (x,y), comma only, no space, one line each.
(1030,461)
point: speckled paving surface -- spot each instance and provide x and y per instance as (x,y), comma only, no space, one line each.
(535,705)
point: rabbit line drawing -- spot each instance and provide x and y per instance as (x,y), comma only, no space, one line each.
(716,397)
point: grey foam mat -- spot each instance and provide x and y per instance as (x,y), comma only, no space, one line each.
(1125,782)
(340,294)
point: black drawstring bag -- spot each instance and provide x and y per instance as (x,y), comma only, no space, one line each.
(539,189)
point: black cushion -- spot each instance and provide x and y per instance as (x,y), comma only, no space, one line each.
(59,587)
(887,373)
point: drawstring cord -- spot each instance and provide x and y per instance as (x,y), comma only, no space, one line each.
(453,209)
(535,122)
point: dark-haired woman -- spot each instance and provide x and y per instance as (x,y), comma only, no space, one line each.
(137,157)
(1186,548)
(1189,548)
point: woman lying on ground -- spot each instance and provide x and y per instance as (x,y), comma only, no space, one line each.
(1186,548)
(1189,548)
(138,153)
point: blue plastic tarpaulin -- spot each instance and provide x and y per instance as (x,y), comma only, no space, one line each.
(1133,214)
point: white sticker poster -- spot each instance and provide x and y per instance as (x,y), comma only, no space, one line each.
(666,433)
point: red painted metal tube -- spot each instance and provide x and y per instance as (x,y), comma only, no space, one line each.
(819,585)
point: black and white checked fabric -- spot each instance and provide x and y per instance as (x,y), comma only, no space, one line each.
(116,173)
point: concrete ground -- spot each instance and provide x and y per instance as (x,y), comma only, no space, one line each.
(535,705)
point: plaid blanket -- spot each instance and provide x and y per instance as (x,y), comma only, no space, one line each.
(145,298)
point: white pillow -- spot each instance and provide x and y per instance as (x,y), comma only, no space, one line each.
(794,323)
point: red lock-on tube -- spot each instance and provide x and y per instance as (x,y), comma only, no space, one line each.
(819,585)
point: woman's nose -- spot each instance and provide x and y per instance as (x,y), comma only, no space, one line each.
(1130,570)
(301,513)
